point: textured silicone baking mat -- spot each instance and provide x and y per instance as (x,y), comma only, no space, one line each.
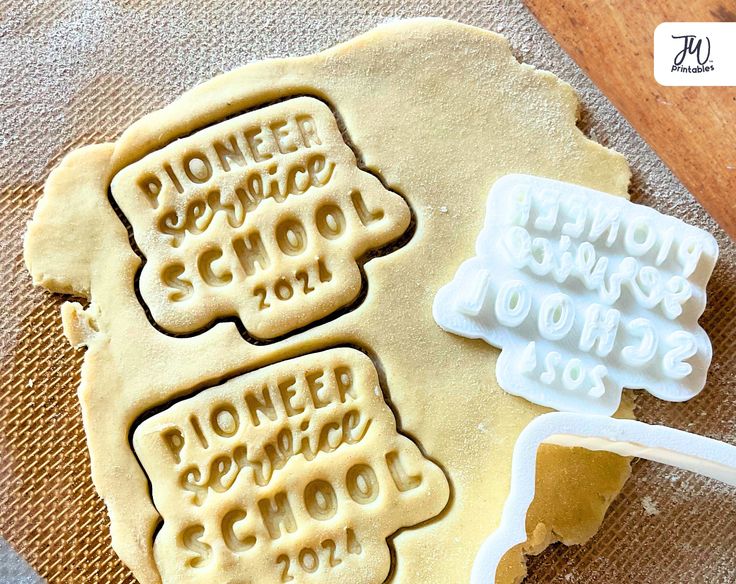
(79,71)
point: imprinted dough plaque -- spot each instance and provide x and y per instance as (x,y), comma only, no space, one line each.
(294,472)
(262,216)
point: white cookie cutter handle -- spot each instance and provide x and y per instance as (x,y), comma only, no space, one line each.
(626,437)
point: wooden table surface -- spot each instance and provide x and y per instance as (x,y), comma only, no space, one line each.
(693,129)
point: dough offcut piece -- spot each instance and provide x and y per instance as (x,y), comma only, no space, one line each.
(435,112)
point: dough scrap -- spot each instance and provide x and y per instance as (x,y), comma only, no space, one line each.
(438,111)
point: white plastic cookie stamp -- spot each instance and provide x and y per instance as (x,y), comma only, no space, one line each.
(585,293)
(691,452)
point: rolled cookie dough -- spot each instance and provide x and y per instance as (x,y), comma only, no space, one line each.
(437,111)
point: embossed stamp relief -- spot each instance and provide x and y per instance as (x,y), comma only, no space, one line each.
(295,472)
(262,216)
(585,293)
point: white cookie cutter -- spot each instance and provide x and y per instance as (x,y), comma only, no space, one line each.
(691,452)
(584,293)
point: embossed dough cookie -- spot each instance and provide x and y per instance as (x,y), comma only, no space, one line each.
(265,393)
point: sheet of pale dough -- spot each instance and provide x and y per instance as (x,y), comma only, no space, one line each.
(439,111)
